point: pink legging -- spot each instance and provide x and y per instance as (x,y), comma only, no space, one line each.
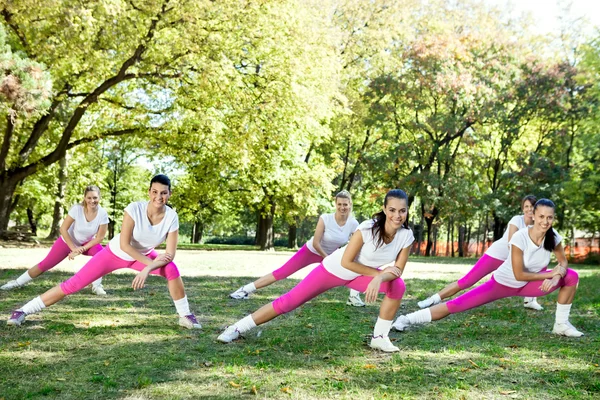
(485,265)
(492,291)
(106,262)
(59,251)
(298,261)
(320,280)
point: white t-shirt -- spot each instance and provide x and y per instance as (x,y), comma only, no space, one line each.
(368,254)
(145,236)
(535,258)
(334,235)
(500,248)
(82,231)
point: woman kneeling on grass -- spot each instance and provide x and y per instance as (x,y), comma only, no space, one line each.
(523,274)
(384,239)
(146,224)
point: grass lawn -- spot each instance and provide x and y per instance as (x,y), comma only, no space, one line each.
(128,346)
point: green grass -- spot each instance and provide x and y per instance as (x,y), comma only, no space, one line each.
(128,346)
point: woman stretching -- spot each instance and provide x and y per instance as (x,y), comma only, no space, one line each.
(523,274)
(384,239)
(491,260)
(146,224)
(81,232)
(333,231)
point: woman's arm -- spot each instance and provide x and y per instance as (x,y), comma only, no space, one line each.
(519,270)
(388,274)
(140,279)
(64,232)
(512,229)
(559,271)
(319,231)
(125,240)
(99,237)
(352,250)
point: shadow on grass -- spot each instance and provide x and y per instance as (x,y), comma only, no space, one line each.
(128,345)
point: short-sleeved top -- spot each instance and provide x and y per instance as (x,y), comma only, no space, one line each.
(369,255)
(145,236)
(535,258)
(82,231)
(500,248)
(334,235)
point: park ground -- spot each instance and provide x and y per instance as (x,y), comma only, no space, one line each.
(128,345)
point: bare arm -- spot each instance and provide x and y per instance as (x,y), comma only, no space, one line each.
(519,270)
(125,240)
(319,231)
(512,229)
(64,232)
(99,237)
(352,250)
(160,261)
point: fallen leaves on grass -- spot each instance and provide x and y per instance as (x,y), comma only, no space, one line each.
(235,385)
(23,344)
(254,390)
(370,366)
(286,390)
(506,392)
(473,363)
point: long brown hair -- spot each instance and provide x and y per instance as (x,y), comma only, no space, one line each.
(379,218)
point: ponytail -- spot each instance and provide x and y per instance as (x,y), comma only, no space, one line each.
(550,237)
(378,228)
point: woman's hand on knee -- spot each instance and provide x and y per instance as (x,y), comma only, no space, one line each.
(373,290)
(548,284)
(140,280)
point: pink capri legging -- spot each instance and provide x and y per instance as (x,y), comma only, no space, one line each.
(106,262)
(482,267)
(301,259)
(320,280)
(59,251)
(492,291)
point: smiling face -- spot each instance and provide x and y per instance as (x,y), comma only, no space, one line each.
(91,199)
(159,194)
(527,210)
(343,206)
(543,217)
(396,213)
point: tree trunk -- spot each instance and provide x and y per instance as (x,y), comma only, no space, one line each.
(435,237)
(32,221)
(499,227)
(477,239)
(461,240)
(265,228)
(57,215)
(8,185)
(197,232)
(452,237)
(468,239)
(448,238)
(429,218)
(292,236)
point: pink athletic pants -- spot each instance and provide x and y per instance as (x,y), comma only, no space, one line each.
(59,251)
(106,262)
(298,261)
(320,280)
(482,267)
(492,291)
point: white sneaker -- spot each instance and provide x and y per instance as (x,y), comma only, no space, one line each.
(531,302)
(355,301)
(229,335)
(401,323)
(383,344)
(240,294)
(566,330)
(189,322)
(16,318)
(10,285)
(428,302)
(98,290)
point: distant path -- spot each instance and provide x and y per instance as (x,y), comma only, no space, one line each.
(223,263)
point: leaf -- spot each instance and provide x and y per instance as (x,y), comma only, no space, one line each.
(106,363)
(23,344)
(254,390)
(61,379)
(286,390)
(505,392)
(235,385)
(477,366)
(370,366)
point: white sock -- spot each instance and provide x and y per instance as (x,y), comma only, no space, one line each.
(382,328)
(34,306)
(249,288)
(182,306)
(528,299)
(245,324)
(436,298)
(419,317)
(562,313)
(24,279)
(354,293)
(97,282)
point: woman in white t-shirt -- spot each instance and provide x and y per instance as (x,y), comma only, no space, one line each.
(523,274)
(491,260)
(380,241)
(333,231)
(81,232)
(146,224)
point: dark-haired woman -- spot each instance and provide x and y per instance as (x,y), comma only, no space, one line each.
(523,274)
(333,231)
(383,240)
(491,260)
(81,232)
(146,224)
